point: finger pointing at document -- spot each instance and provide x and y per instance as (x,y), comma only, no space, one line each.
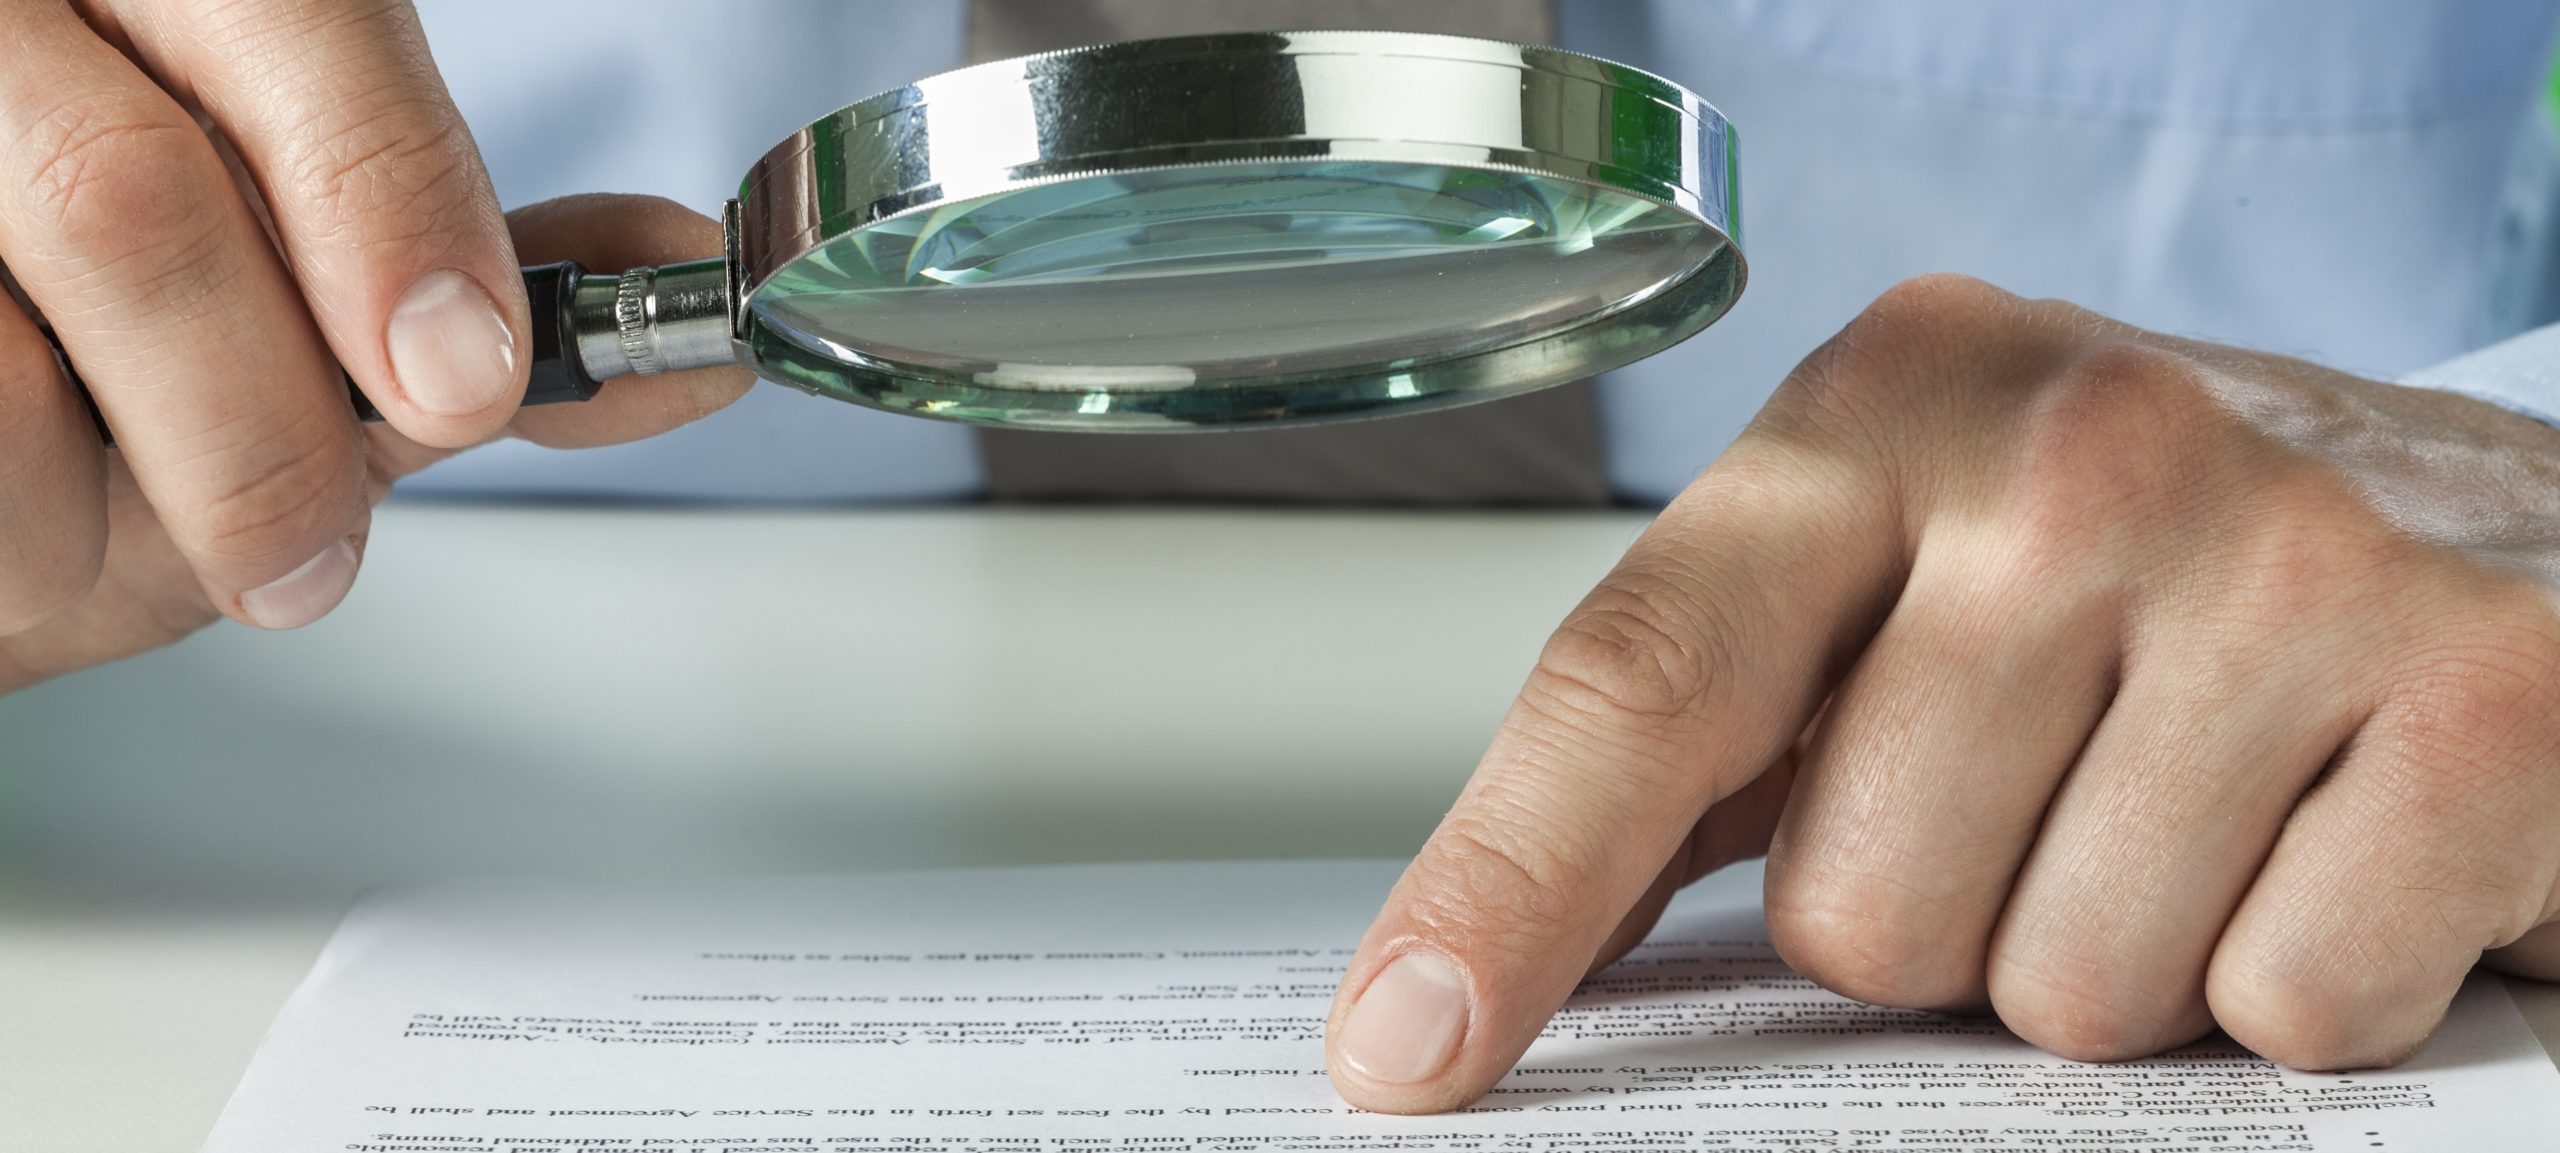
(2123,686)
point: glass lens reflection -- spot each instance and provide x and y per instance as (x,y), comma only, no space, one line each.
(1212,277)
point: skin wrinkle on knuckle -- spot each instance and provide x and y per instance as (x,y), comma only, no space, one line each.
(256,534)
(2474,725)
(115,171)
(130,245)
(329,145)
(372,175)
(1541,809)
(1829,397)
(1489,887)
(1857,387)
(1624,653)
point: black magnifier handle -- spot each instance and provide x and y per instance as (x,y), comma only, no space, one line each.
(587,329)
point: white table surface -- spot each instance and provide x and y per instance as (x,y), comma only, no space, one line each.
(635,693)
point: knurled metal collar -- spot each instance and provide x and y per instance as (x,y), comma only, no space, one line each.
(631,321)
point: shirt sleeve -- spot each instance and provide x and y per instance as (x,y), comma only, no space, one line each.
(2520,374)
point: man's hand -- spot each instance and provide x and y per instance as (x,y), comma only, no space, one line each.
(2122,685)
(146,591)
(217,206)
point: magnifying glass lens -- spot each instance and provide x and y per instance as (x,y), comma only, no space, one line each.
(1234,293)
(1194,232)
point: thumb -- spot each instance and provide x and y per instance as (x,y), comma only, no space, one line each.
(606,232)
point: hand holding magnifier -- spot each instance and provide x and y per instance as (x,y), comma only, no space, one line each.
(1208,231)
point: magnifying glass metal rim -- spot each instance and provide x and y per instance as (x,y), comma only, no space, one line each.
(1183,102)
(1060,115)
(1233,99)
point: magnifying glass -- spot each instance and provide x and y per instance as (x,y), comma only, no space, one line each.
(1196,232)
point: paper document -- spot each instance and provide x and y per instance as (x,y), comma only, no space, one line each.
(1179,1009)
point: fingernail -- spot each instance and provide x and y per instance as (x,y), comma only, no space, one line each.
(1406,1025)
(307,593)
(449,347)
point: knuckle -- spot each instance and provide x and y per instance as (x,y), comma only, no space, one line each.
(1935,298)
(390,157)
(2116,399)
(400,165)
(1923,357)
(2304,542)
(2335,1018)
(2480,711)
(2505,667)
(2131,371)
(1833,393)
(131,198)
(1866,935)
(2113,440)
(110,171)
(1924,316)
(1625,652)
(2089,1008)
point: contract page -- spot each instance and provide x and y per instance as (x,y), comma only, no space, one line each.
(1179,1009)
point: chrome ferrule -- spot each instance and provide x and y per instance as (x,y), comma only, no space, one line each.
(650,320)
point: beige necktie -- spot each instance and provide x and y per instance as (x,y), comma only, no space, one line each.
(1540,449)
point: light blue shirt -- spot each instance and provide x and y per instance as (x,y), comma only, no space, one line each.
(2366,183)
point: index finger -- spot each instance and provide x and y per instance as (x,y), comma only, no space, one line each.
(379,198)
(1686,674)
